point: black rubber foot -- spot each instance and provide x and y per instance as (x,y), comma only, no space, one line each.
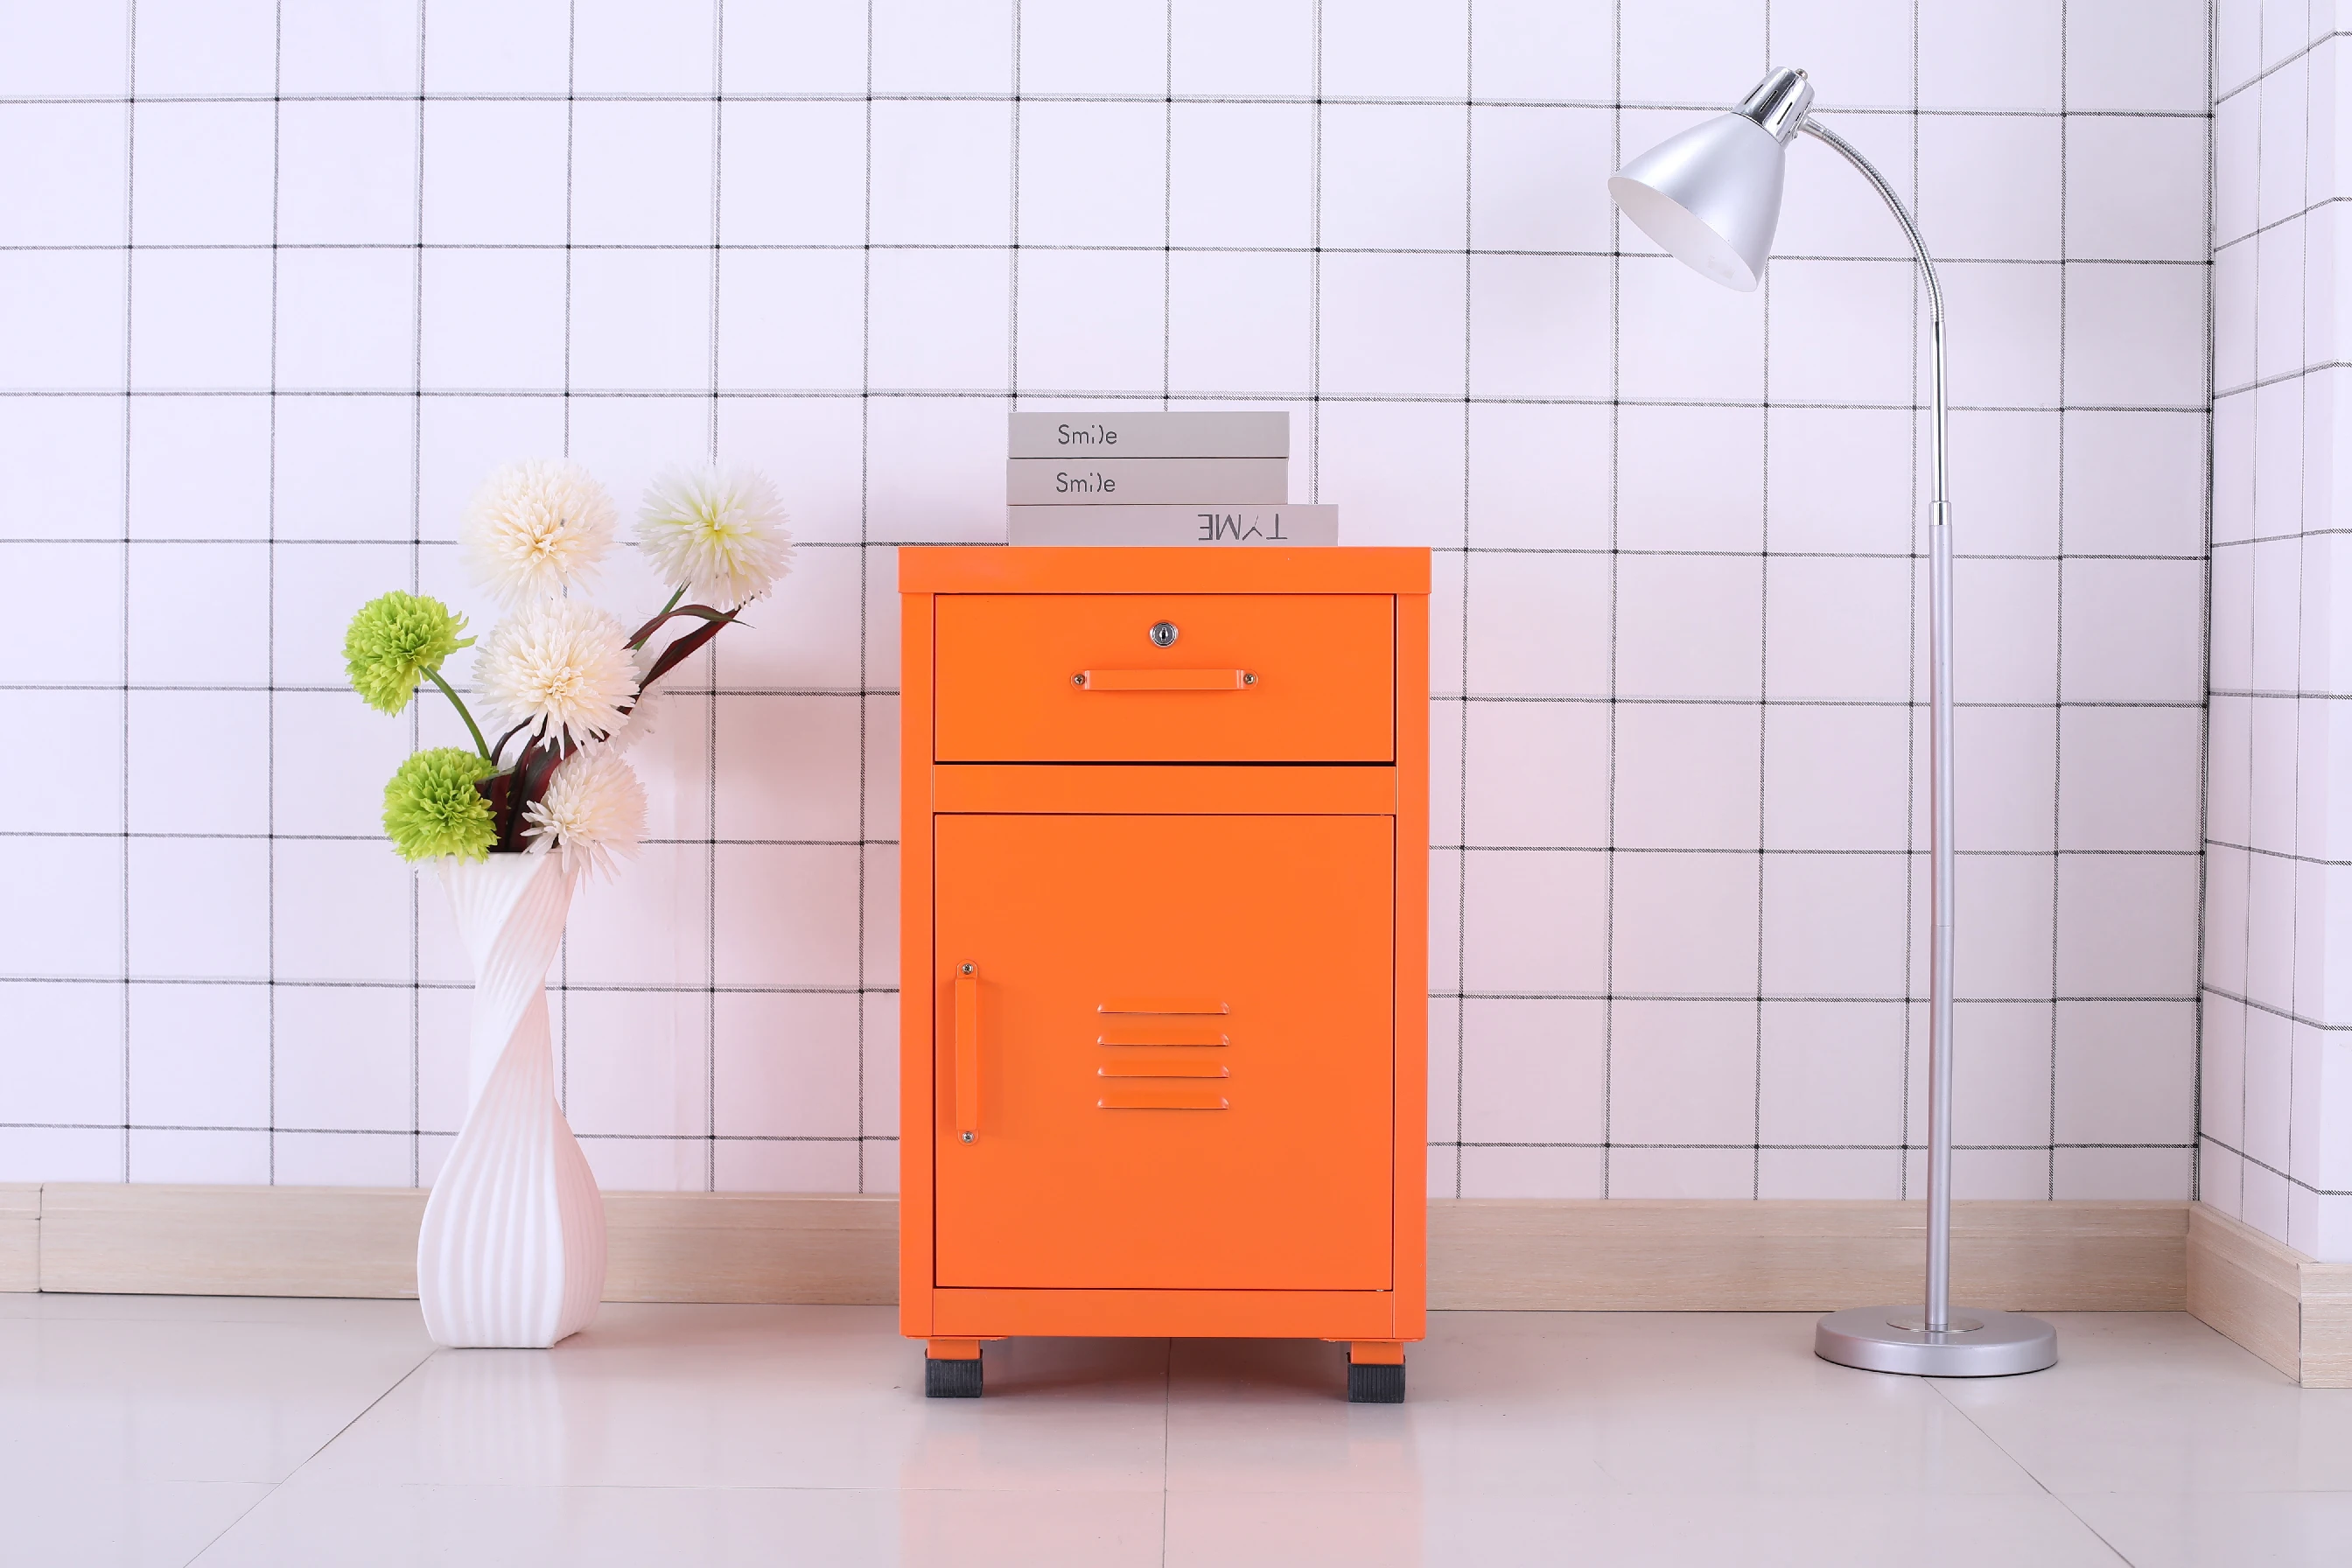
(956,1379)
(1375,1384)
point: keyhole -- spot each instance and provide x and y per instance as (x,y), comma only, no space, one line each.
(1163,635)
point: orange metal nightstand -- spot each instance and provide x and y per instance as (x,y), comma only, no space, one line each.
(1164,991)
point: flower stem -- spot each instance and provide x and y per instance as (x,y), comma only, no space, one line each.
(479,745)
(639,640)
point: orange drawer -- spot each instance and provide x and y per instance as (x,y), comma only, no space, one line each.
(1248,677)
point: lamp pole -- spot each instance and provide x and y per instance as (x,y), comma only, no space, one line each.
(1712,196)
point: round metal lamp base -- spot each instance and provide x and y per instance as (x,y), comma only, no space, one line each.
(1978,1345)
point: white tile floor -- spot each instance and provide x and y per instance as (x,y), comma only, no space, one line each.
(157,1430)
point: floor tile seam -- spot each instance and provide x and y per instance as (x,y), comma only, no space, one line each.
(1530,1496)
(811,1487)
(2072,1512)
(2210,1491)
(272,1487)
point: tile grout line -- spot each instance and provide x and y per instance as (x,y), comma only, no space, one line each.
(129,295)
(1609,744)
(710,654)
(1763,695)
(865,507)
(269,591)
(2302,557)
(2254,512)
(562,982)
(1469,451)
(2022,1467)
(2058,641)
(415,544)
(274,1486)
(2205,641)
(1168,205)
(1294,100)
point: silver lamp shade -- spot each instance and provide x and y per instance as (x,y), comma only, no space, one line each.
(1711,195)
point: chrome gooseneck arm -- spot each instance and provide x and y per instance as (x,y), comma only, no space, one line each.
(1940,690)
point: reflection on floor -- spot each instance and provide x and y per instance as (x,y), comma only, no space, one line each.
(169,1430)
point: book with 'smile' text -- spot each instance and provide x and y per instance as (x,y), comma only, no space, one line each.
(1150,433)
(1203,524)
(1127,481)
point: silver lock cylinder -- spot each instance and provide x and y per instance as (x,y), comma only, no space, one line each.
(1163,634)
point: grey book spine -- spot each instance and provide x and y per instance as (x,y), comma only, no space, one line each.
(1116,482)
(1197,525)
(1150,433)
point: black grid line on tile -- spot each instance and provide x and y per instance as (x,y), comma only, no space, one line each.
(1616,538)
(129,283)
(269,601)
(2205,641)
(1462,729)
(2058,648)
(1146,99)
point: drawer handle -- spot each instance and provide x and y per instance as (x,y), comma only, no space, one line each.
(1162,1067)
(967,1051)
(1165,679)
(1148,1006)
(1161,1100)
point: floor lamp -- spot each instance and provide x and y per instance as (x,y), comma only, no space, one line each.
(1711,196)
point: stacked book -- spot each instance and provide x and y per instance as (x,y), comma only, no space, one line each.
(1109,478)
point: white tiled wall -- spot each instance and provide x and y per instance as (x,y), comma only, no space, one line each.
(2275,1124)
(279,282)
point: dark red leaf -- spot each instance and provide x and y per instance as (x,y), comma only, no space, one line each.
(702,611)
(687,647)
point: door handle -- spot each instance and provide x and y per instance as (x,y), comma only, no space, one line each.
(967,1052)
(1165,679)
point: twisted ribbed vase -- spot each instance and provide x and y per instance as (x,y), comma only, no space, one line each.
(512,1252)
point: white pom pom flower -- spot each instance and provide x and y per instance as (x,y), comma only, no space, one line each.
(646,714)
(535,529)
(717,533)
(593,811)
(561,668)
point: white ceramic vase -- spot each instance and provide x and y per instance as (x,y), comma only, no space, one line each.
(513,1251)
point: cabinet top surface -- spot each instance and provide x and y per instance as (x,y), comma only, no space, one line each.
(1058,569)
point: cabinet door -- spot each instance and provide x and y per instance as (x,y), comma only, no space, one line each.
(1184,1037)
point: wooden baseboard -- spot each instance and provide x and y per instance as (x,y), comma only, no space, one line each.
(20,1238)
(1683,1255)
(157,1240)
(2247,1286)
(752,1246)
(2291,1310)
(1523,1255)
(1485,1253)
(361,1241)
(2327,1325)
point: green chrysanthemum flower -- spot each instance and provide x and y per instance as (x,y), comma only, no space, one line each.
(396,640)
(431,807)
